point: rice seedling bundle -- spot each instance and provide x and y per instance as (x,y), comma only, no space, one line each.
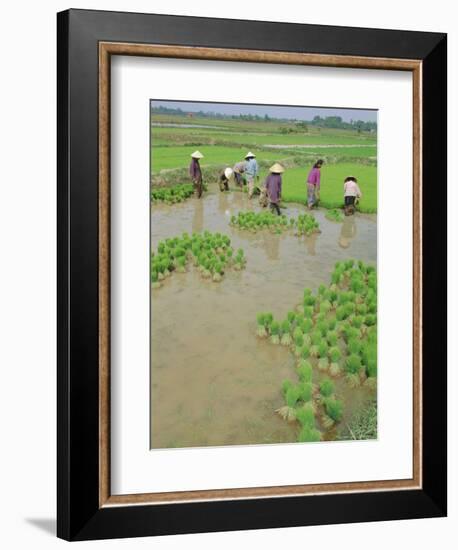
(261,320)
(306,416)
(334,409)
(172,195)
(275,332)
(334,215)
(309,435)
(258,221)
(305,371)
(327,387)
(286,333)
(211,254)
(306,224)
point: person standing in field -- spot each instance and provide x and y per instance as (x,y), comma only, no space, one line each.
(239,170)
(273,186)
(196,173)
(352,192)
(313,184)
(251,172)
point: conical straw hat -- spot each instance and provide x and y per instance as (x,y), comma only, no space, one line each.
(197,155)
(250,154)
(276,168)
(228,172)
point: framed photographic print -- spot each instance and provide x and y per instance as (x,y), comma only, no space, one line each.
(252,274)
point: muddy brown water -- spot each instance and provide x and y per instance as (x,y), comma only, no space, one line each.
(213,382)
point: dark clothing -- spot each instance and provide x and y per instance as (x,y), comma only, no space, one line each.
(194,170)
(274,207)
(273,185)
(196,176)
(349,209)
(349,201)
(223,182)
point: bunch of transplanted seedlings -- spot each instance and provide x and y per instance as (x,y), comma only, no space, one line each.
(211,253)
(334,215)
(172,195)
(305,224)
(333,336)
(256,221)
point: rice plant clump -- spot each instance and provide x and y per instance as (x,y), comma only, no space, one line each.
(286,333)
(334,215)
(210,253)
(172,195)
(306,224)
(309,435)
(333,329)
(258,221)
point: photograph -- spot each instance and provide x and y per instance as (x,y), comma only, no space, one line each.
(263,274)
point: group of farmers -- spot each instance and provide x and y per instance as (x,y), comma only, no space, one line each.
(246,172)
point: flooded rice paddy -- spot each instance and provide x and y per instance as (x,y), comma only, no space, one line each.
(213,382)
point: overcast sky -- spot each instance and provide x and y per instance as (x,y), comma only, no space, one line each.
(274,111)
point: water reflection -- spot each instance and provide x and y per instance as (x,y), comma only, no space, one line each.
(347,232)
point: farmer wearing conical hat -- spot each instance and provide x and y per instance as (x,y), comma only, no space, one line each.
(251,172)
(224,178)
(196,173)
(273,186)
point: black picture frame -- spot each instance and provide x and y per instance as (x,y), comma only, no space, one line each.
(79,515)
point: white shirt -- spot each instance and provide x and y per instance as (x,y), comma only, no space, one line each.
(351,189)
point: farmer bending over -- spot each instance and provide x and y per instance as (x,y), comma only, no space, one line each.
(352,193)
(313,184)
(196,173)
(239,170)
(224,178)
(273,186)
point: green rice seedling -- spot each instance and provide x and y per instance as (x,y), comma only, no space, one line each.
(320,317)
(309,435)
(350,333)
(286,333)
(309,300)
(307,340)
(334,215)
(305,371)
(297,332)
(341,313)
(370,320)
(349,308)
(334,369)
(334,409)
(327,387)
(306,416)
(268,320)
(299,318)
(306,391)
(275,332)
(361,309)
(332,323)
(308,312)
(261,320)
(155,283)
(321,289)
(291,316)
(305,352)
(325,306)
(323,363)
(352,369)
(286,385)
(314,350)
(354,346)
(335,354)
(292,396)
(332,338)
(181,267)
(299,343)
(322,327)
(306,326)
(316,337)
(323,348)
(357,321)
